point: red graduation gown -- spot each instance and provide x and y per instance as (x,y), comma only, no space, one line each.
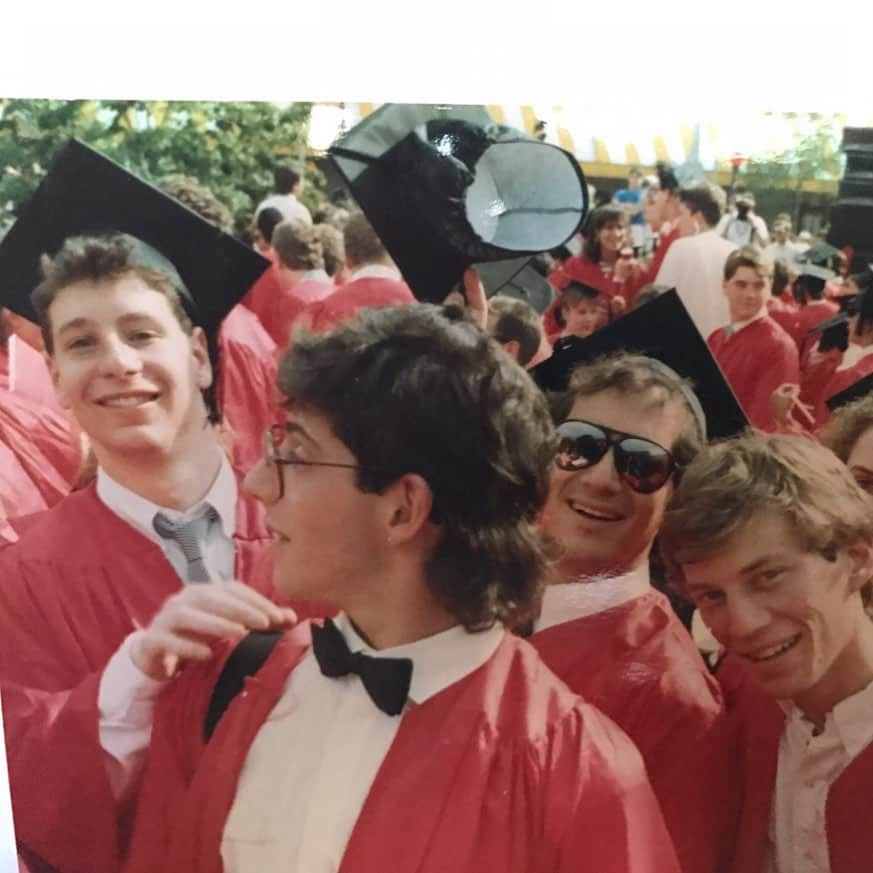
(840,381)
(77,582)
(583,269)
(847,820)
(756,361)
(247,384)
(504,770)
(24,371)
(262,296)
(293,303)
(784,314)
(45,447)
(807,318)
(638,664)
(354,296)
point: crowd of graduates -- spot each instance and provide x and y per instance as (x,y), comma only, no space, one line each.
(299,572)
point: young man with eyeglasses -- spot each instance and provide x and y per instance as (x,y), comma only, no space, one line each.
(415,732)
(626,426)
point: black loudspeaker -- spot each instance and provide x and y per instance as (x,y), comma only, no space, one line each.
(852,214)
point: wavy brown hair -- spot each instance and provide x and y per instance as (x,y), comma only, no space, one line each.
(421,389)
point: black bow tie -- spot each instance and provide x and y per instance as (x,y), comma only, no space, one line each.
(386,680)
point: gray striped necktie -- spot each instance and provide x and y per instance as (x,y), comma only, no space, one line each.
(191,536)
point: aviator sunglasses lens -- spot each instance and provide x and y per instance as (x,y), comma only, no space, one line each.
(645,466)
(580,445)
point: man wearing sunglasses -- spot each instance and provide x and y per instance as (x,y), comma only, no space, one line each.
(626,425)
(414,733)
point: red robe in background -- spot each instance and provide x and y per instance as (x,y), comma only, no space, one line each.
(23,370)
(294,302)
(263,297)
(761,721)
(247,384)
(504,770)
(820,368)
(807,318)
(664,243)
(840,381)
(354,296)
(583,269)
(784,314)
(76,583)
(756,360)
(637,663)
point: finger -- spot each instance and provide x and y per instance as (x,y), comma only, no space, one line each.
(191,620)
(161,643)
(232,601)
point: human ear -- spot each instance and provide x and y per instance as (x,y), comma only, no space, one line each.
(200,353)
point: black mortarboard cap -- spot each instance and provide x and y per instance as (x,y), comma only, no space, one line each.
(445,188)
(518,279)
(85,193)
(819,254)
(661,329)
(816,271)
(860,389)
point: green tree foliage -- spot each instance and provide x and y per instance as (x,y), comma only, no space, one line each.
(229,147)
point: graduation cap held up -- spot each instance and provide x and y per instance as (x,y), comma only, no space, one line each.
(445,188)
(86,194)
(663,330)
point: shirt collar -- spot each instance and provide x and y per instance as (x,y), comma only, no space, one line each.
(439,660)
(737,326)
(571,600)
(851,720)
(140,513)
(375,271)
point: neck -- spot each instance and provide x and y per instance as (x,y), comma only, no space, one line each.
(178,479)
(851,672)
(565,572)
(397,611)
(737,319)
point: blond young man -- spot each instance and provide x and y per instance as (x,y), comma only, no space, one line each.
(773,540)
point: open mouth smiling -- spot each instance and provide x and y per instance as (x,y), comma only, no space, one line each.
(772,652)
(593,512)
(128,399)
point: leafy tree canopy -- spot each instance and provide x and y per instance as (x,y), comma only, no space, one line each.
(230,148)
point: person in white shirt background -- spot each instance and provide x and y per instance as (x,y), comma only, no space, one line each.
(782,248)
(694,264)
(772,539)
(289,186)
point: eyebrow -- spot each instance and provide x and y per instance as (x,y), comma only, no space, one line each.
(293,427)
(860,468)
(81,321)
(760,562)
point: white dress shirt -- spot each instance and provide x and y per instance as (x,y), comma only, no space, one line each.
(310,767)
(572,600)
(290,207)
(694,266)
(809,764)
(125,698)
(376,271)
(218,553)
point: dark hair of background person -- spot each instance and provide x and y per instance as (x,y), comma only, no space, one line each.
(285,179)
(597,220)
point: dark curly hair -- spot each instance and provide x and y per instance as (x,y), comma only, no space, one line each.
(420,389)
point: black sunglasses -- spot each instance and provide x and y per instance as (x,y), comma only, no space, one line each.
(642,463)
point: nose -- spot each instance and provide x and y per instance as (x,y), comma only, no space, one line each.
(260,483)
(602,476)
(119,358)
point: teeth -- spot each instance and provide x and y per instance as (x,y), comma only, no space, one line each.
(131,400)
(580,507)
(774,651)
